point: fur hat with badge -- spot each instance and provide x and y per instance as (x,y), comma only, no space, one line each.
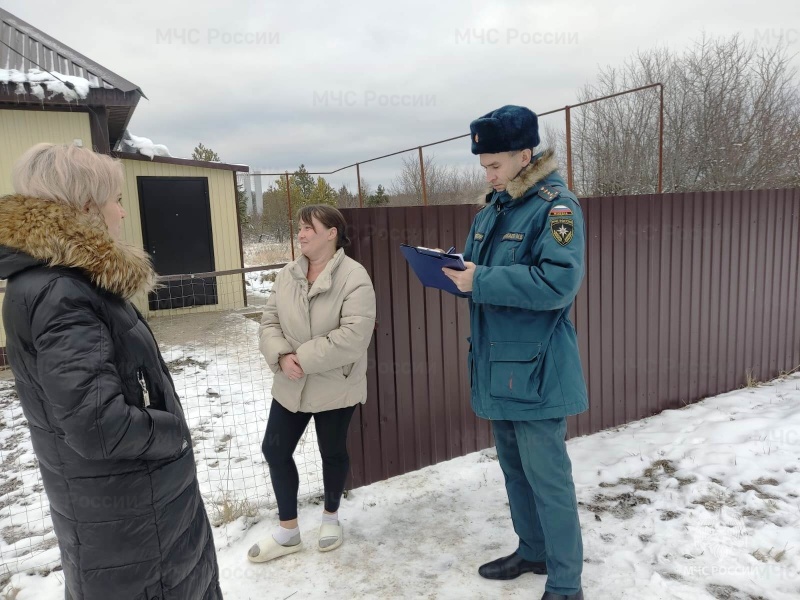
(505,129)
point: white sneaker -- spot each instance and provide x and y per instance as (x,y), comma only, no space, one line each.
(331,536)
(268,549)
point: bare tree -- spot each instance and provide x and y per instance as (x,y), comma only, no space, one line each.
(444,184)
(732,121)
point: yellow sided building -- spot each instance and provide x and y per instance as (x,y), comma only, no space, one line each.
(183,212)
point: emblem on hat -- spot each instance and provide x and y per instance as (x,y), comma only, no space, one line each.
(476,138)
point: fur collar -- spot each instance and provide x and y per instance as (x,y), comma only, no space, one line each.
(60,235)
(532,174)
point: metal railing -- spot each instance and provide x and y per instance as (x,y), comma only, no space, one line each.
(570,177)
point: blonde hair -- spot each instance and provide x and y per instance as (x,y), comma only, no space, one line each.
(68,173)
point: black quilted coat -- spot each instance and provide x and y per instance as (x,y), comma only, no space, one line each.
(116,461)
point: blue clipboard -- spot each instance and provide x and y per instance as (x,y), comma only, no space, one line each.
(428,264)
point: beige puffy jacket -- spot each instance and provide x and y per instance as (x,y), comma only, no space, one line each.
(329,327)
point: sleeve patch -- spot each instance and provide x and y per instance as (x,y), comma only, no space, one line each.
(563,230)
(561,211)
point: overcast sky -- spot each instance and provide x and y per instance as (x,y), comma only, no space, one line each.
(273,84)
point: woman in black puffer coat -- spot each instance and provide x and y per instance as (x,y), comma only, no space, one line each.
(106,424)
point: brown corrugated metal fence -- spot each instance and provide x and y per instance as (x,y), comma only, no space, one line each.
(418,412)
(684,295)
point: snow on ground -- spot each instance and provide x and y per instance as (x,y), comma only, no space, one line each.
(26,532)
(698,503)
(259,283)
(225,386)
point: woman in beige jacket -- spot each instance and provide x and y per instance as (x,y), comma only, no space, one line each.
(314,333)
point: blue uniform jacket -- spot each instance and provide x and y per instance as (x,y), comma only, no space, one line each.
(528,244)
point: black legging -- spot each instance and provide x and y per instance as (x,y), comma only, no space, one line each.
(284,430)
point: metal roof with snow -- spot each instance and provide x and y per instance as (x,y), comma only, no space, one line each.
(23,47)
(112,97)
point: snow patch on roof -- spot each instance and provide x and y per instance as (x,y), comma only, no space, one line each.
(142,145)
(69,86)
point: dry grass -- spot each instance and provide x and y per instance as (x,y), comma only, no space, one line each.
(683,481)
(11,485)
(728,592)
(222,443)
(749,487)
(651,477)
(784,374)
(750,381)
(654,470)
(715,502)
(621,506)
(259,254)
(228,509)
(768,555)
(177,366)
(765,481)
(271,277)
(13,533)
(669,515)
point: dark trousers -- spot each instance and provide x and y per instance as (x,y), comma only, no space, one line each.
(284,430)
(541,493)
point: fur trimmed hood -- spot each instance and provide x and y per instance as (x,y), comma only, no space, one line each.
(532,174)
(60,235)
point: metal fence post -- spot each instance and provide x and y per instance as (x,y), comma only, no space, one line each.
(291,220)
(661,143)
(422,175)
(358,179)
(570,179)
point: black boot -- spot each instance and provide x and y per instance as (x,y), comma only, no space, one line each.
(511,567)
(552,596)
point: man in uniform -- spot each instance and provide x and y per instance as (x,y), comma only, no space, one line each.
(524,258)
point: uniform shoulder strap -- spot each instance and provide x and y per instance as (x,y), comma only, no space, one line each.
(548,193)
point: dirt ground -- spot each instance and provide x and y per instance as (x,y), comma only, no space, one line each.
(190,328)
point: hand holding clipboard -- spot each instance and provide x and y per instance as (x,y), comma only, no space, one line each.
(429,266)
